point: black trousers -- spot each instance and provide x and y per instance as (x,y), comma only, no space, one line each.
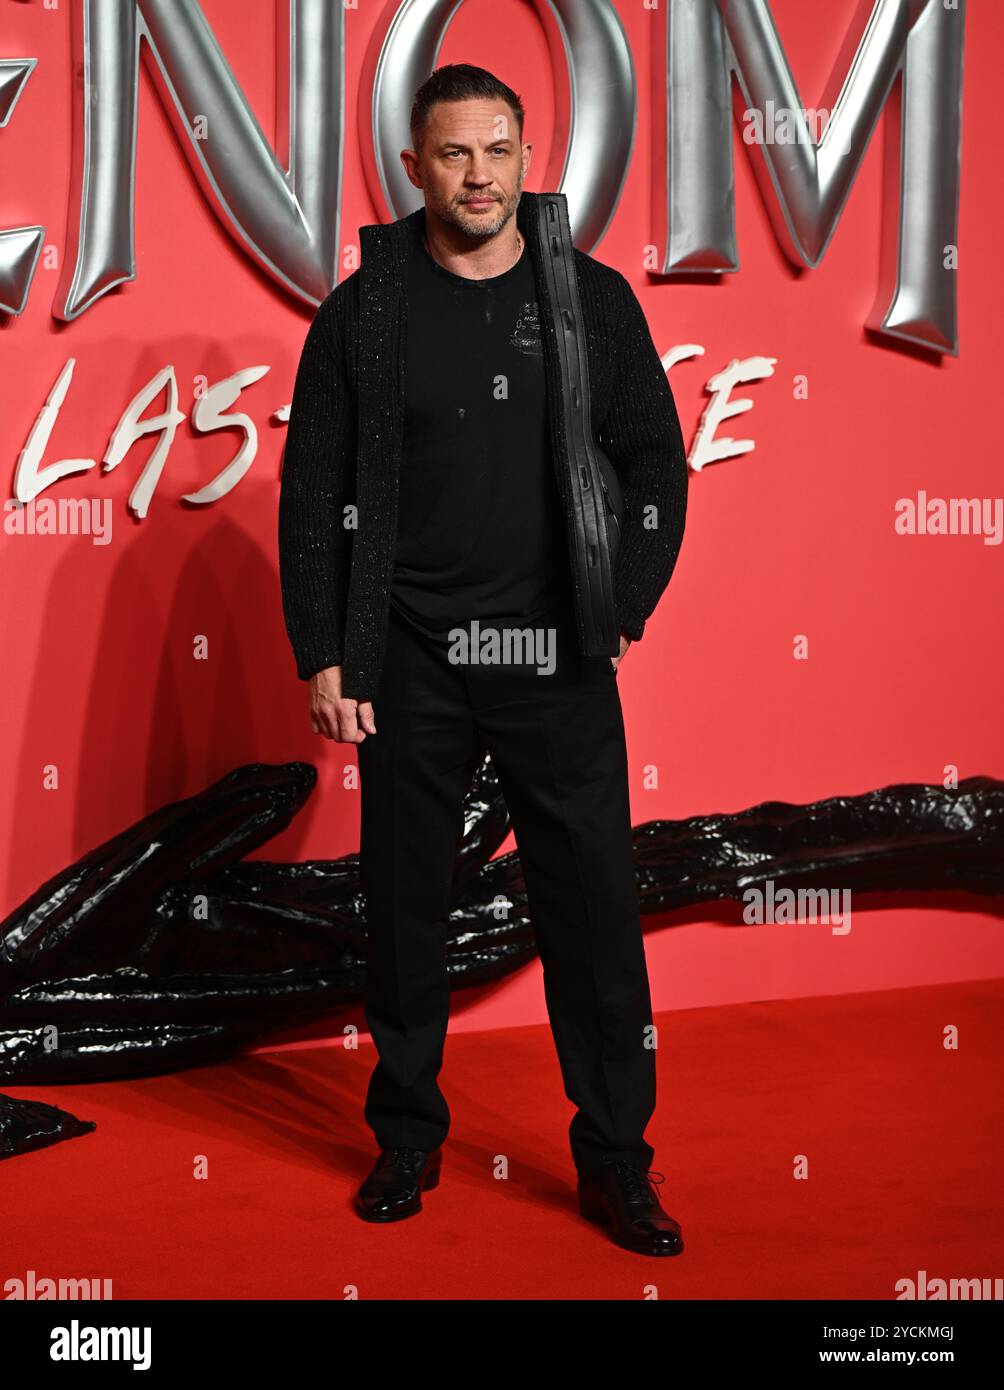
(557,741)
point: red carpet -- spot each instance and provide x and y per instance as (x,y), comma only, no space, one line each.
(903,1141)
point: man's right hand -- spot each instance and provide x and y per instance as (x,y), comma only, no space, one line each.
(346,721)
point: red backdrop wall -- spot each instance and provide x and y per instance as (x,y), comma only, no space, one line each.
(797,537)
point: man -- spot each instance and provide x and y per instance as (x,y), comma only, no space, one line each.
(433,511)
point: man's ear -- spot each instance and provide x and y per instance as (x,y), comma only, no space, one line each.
(410,161)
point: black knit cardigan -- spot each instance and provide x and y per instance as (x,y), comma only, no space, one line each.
(337,516)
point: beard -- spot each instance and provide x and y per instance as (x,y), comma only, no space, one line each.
(479,226)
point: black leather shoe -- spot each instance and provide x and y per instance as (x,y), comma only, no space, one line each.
(394,1188)
(622,1197)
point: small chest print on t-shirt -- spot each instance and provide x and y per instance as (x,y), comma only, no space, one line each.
(526,335)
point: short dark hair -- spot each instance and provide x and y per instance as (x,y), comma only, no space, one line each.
(459,82)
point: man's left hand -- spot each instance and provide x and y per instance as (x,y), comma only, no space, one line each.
(615,661)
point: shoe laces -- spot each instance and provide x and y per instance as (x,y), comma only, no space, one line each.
(636,1180)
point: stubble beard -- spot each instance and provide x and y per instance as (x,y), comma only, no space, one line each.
(479,226)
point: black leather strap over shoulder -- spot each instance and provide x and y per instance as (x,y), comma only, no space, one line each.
(597,499)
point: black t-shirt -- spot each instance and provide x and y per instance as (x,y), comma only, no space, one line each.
(480,531)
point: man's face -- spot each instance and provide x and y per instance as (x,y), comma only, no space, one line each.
(472,165)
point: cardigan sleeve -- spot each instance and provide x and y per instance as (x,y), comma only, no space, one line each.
(641,434)
(314,542)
